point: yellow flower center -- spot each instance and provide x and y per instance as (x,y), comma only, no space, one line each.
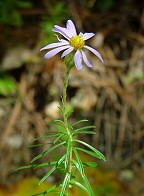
(77,42)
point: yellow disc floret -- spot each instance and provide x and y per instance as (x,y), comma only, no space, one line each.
(77,42)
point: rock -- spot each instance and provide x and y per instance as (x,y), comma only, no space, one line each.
(84,99)
(16,57)
(97,41)
(15,141)
(52,110)
(126,175)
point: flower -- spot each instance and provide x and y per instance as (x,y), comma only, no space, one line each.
(74,43)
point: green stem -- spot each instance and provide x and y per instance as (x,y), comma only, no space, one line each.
(64,97)
(65,118)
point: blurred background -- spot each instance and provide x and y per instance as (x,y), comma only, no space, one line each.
(109,95)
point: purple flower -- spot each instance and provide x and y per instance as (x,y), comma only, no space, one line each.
(74,43)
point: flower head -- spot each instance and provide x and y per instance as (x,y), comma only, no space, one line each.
(72,42)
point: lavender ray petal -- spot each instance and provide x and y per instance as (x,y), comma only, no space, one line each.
(78,60)
(66,52)
(95,52)
(71,28)
(87,36)
(53,52)
(87,62)
(54,45)
(63,31)
(81,34)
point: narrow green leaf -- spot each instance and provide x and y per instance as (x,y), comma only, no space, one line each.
(90,164)
(65,182)
(44,164)
(75,164)
(94,154)
(99,154)
(47,151)
(52,170)
(81,186)
(47,175)
(85,132)
(82,128)
(35,145)
(47,191)
(34,166)
(55,122)
(61,160)
(59,121)
(25,167)
(89,189)
(58,138)
(80,121)
(81,169)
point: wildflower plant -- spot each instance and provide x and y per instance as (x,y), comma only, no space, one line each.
(66,134)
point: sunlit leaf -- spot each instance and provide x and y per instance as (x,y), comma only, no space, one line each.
(90,164)
(99,154)
(80,185)
(94,154)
